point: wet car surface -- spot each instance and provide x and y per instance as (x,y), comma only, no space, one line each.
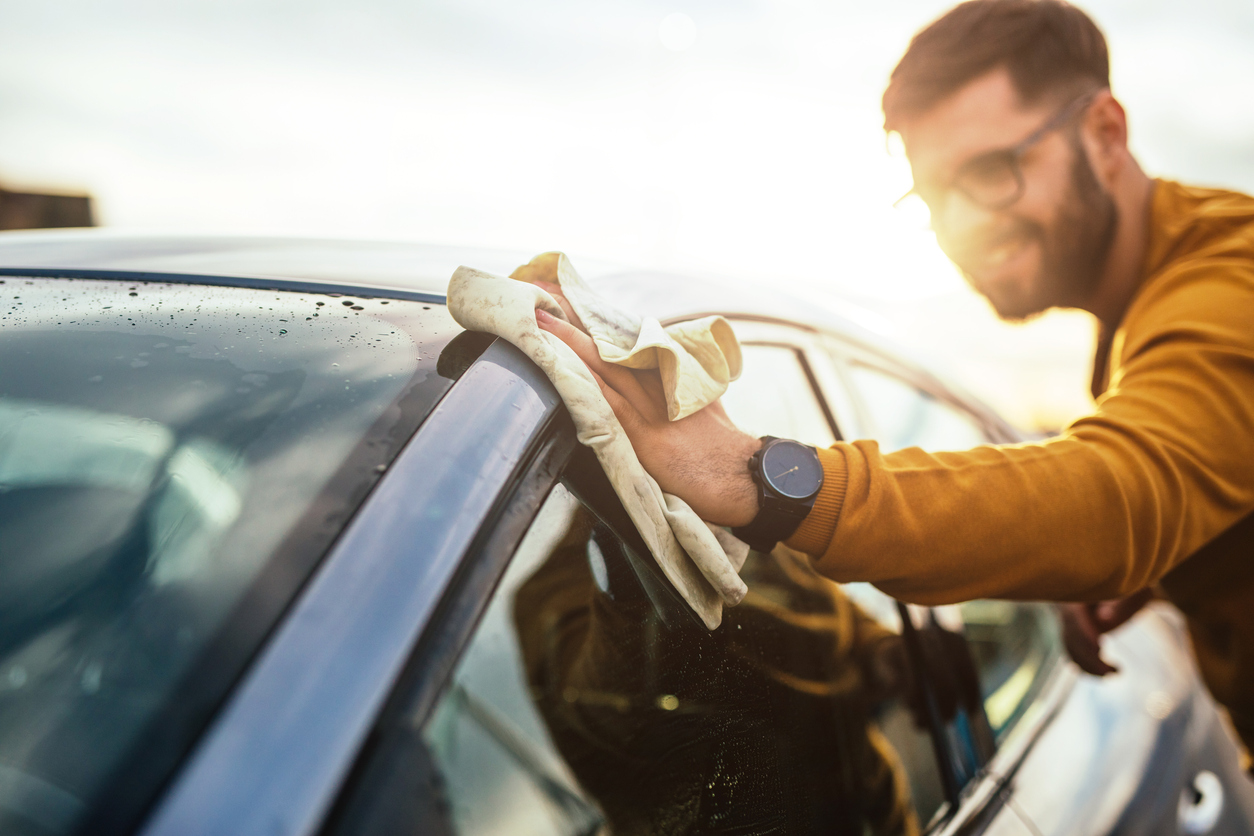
(284,550)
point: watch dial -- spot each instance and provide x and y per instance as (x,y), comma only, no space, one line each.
(792,469)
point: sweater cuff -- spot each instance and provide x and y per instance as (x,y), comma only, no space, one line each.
(816,530)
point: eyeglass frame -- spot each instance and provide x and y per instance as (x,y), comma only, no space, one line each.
(1014,154)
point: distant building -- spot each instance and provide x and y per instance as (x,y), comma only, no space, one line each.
(31,210)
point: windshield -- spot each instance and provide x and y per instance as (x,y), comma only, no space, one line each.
(173,461)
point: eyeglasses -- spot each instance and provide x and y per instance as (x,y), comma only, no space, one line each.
(994,180)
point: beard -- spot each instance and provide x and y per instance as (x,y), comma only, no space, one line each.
(1073,249)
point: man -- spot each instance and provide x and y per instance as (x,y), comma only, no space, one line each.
(1020,151)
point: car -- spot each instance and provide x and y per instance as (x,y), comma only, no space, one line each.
(284,550)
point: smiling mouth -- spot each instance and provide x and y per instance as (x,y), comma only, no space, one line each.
(990,257)
(1003,252)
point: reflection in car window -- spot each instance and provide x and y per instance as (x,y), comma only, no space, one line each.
(159,445)
(1016,646)
(580,706)
(904,416)
(774,396)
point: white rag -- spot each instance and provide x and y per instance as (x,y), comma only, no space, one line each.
(696,360)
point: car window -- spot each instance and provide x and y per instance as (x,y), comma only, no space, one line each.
(173,460)
(774,396)
(1015,645)
(905,416)
(584,704)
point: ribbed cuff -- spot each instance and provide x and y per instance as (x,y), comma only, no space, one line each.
(815,533)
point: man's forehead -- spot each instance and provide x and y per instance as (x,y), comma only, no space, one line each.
(986,114)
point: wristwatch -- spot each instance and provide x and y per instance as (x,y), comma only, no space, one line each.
(788,475)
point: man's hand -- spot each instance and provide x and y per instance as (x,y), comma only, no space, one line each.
(703,459)
(1083,625)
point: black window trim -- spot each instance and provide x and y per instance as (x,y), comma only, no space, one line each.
(335,658)
(803,360)
(218,280)
(429,669)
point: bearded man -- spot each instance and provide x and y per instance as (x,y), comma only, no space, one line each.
(1020,151)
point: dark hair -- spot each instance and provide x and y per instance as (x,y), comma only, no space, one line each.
(1048,46)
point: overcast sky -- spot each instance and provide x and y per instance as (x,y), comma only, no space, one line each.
(734,137)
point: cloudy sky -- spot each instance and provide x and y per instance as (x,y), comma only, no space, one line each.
(724,137)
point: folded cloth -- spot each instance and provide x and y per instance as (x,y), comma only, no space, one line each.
(696,360)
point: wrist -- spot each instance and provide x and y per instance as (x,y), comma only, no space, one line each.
(787,477)
(742,490)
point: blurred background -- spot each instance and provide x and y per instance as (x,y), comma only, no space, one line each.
(734,138)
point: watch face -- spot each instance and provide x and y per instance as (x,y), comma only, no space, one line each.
(792,469)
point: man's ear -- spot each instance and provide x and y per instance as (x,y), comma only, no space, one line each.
(1105,136)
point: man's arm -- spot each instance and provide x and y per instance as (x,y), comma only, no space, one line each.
(1165,464)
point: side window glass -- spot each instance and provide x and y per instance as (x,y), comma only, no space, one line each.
(774,396)
(499,767)
(583,705)
(904,416)
(1015,647)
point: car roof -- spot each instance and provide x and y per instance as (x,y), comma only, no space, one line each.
(406,269)
(400,266)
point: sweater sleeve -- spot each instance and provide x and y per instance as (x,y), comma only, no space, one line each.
(1165,464)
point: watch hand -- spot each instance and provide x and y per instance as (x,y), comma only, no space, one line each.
(786,472)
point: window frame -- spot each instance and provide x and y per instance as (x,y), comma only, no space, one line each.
(430,667)
(335,657)
(845,354)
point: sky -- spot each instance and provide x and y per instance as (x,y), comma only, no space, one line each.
(737,138)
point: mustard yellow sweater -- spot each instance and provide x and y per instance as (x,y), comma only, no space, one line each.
(1163,466)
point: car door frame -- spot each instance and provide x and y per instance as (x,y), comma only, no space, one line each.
(341,650)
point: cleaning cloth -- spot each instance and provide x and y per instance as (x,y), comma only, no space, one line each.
(695,360)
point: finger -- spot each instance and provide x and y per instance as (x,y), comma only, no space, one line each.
(1111,614)
(1085,650)
(555,291)
(1088,657)
(626,414)
(620,379)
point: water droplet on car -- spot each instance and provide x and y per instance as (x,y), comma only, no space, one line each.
(91,678)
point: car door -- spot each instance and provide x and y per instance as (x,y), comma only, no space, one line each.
(585,697)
